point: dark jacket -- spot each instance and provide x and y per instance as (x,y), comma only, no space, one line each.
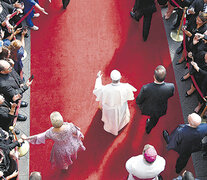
(145,6)
(6,119)
(198,6)
(153,98)
(10,85)
(185,139)
(7,9)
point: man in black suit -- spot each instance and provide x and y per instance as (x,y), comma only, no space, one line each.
(11,85)
(144,8)
(7,114)
(186,139)
(153,97)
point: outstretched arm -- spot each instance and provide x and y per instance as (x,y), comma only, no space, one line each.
(36,139)
(98,83)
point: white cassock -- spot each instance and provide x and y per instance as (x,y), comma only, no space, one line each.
(113,98)
(138,168)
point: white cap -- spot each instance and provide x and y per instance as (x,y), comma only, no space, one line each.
(115,75)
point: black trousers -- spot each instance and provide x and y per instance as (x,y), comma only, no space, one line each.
(146,21)
(180,14)
(153,122)
(65,3)
(146,24)
(181,162)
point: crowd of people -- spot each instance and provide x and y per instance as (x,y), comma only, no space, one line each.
(152,99)
(193,47)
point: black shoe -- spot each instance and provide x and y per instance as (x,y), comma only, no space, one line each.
(160,177)
(179,50)
(174,27)
(21,117)
(144,39)
(177,63)
(23,104)
(188,95)
(166,136)
(205,156)
(147,129)
(26,35)
(133,16)
(17,131)
(182,79)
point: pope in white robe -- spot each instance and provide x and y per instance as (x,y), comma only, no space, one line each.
(113,99)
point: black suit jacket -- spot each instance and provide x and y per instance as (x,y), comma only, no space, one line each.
(153,98)
(6,119)
(10,85)
(145,6)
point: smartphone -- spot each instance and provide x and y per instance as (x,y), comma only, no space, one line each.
(31,77)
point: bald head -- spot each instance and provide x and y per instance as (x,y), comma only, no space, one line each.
(35,176)
(194,120)
(1,99)
(5,67)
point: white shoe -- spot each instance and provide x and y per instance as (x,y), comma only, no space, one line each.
(35,28)
(36,15)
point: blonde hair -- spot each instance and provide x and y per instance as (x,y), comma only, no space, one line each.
(56,119)
(16,44)
(14,47)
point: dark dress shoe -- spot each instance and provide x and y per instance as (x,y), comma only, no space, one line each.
(174,27)
(182,79)
(17,131)
(205,156)
(177,63)
(166,136)
(160,177)
(186,94)
(144,39)
(147,128)
(21,117)
(23,104)
(179,50)
(26,35)
(133,16)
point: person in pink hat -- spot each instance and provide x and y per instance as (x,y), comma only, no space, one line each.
(146,166)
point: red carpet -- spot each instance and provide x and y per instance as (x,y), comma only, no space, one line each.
(66,54)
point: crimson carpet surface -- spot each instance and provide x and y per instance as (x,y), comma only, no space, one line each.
(66,53)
